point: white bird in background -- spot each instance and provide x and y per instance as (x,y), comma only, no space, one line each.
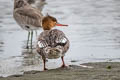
(28,17)
(27,14)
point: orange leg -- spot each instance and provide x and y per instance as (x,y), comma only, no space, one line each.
(44,61)
(63,65)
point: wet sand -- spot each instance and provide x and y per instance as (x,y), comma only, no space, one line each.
(94,71)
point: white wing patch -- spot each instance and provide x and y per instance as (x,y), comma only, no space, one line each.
(63,40)
(40,44)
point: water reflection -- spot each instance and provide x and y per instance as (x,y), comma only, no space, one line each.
(30,58)
(1,44)
(1,47)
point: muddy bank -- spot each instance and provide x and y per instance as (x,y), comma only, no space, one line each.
(94,71)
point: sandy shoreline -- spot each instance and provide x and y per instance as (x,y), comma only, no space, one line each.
(100,71)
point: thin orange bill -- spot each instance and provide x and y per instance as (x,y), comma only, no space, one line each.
(61,24)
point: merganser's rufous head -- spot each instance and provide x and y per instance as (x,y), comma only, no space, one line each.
(49,22)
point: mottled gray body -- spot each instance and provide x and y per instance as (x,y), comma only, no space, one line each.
(52,44)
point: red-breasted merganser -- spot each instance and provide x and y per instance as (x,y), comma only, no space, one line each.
(52,43)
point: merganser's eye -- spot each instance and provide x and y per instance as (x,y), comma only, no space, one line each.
(55,22)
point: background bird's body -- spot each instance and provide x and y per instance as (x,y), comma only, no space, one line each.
(28,17)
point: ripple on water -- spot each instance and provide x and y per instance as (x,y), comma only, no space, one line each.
(1,47)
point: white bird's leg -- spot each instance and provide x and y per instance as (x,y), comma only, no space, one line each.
(31,39)
(36,33)
(28,39)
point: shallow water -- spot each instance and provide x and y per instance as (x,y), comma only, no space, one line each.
(94,34)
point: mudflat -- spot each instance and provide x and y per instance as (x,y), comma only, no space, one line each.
(92,71)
